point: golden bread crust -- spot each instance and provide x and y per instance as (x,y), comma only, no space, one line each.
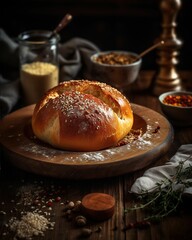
(82,115)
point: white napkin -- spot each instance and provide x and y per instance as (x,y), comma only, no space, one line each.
(148,182)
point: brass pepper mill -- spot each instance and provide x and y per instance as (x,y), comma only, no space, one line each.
(167,77)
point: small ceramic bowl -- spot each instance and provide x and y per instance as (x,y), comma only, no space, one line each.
(117,68)
(178,115)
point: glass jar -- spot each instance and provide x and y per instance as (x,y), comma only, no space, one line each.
(39,70)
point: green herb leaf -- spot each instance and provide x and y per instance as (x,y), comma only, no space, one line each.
(167,195)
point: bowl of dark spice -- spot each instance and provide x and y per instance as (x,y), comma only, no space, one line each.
(116,68)
(177,106)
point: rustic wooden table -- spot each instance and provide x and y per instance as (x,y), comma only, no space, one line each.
(21,191)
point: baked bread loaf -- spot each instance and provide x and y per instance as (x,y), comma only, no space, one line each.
(82,115)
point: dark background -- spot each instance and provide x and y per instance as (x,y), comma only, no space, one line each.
(131,25)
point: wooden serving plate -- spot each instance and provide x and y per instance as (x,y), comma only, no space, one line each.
(29,154)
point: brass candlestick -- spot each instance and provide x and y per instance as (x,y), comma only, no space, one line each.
(167,77)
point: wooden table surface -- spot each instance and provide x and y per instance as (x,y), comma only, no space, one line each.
(22,191)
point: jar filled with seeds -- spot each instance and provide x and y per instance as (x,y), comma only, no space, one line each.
(39,69)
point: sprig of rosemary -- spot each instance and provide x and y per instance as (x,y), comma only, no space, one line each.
(166,197)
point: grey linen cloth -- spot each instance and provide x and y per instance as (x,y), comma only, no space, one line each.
(152,176)
(73,62)
(9,65)
(74,57)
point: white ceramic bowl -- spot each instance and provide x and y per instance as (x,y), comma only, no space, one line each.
(119,76)
(178,115)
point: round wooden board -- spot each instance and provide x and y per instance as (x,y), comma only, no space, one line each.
(29,154)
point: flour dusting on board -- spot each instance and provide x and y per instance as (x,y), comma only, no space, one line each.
(41,150)
(134,141)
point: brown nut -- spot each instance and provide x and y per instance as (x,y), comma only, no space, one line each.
(86,232)
(80,221)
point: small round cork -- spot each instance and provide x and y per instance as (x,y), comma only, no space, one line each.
(98,206)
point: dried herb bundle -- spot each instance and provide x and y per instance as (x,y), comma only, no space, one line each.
(167,195)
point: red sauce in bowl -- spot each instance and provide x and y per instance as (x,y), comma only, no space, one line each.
(178,100)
